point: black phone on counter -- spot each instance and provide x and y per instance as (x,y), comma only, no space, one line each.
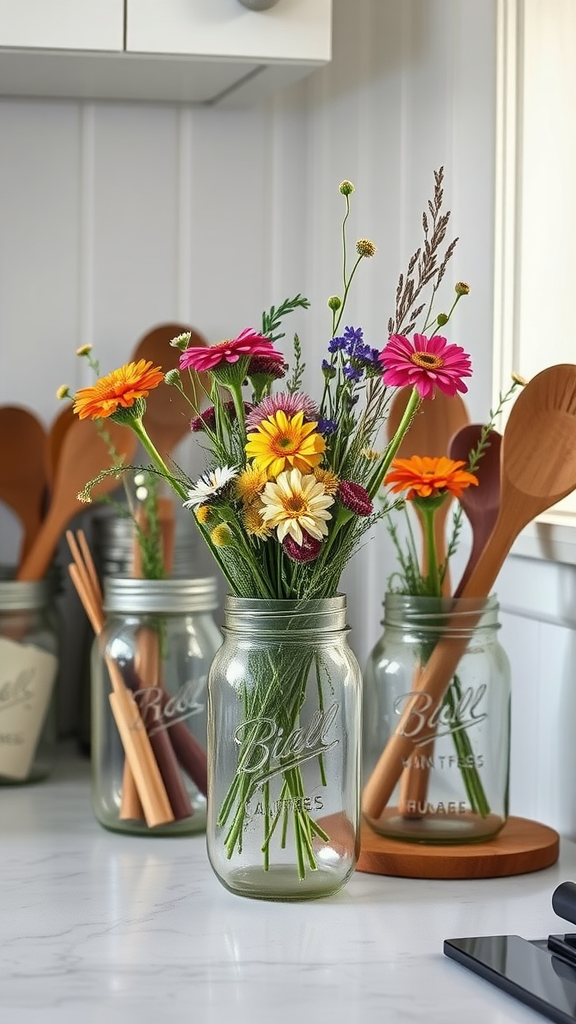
(540,973)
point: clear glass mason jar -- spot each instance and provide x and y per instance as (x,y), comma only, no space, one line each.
(28,674)
(453,781)
(284,731)
(159,637)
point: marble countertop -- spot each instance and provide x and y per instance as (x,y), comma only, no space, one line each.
(101,927)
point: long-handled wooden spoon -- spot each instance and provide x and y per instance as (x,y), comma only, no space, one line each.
(23,469)
(168,414)
(84,454)
(538,470)
(436,421)
(481,504)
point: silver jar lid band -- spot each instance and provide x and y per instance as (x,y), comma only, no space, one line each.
(21,595)
(175,596)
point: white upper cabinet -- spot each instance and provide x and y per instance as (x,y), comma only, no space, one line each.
(210,52)
(62,24)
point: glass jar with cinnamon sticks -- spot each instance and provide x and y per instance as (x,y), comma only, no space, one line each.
(150,664)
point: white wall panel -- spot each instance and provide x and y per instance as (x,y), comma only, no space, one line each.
(114,217)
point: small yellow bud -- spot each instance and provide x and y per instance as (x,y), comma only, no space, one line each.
(364,247)
(221,535)
(519,380)
(461,288)
(63,392)
(83,350)
(346,188)
(202,513)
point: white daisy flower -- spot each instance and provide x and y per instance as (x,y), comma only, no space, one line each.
(294,503)
(209,485)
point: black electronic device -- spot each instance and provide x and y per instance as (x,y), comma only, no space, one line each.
(539,972)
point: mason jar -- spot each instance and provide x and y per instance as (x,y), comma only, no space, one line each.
(158,641)
(284,731)
(452,766)
(28,674)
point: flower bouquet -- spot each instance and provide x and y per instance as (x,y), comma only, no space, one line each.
(285,501)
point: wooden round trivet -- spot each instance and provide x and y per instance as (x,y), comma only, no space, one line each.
(520,847)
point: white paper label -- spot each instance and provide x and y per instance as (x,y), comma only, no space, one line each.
(27,676)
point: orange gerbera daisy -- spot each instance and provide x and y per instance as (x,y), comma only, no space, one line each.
(118,390)
(426,477)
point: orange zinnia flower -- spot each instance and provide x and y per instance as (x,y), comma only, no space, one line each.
(118,390)
(425,477)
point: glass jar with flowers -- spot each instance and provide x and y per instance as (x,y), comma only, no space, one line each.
(284,503)
(453,786)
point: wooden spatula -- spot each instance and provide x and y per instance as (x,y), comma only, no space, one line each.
(23,469)
(482,503)
(84,454)
(538,470)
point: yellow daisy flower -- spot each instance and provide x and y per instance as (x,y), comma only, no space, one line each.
(203,513)
(281,442)
(328,478)
(295,504)
(253,521)
(221,535)
(250,483)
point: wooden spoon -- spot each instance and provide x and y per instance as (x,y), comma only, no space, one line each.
(538,470)
(23,469)
(84,454)
(436,421)
(168,414)
(56,434)
(482,503)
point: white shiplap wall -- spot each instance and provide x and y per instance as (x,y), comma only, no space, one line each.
(114,217)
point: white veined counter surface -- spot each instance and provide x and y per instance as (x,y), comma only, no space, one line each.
(101,927)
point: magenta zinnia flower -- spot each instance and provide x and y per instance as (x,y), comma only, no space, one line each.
(354,497)
(307,551)
(248,343)
(424,364)
(288,403)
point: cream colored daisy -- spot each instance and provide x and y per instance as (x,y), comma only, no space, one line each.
(294,503)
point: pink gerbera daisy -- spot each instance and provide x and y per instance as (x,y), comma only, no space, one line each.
(248,343)
(287,403)
(424,364)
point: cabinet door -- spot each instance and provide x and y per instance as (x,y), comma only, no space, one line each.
(62,24)
(294,30)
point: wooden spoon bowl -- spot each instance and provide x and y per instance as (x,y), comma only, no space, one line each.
(168,413)
(84,454)
(23,469)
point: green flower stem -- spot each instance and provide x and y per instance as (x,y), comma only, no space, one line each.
(384,466)
(142,435)
(428,513)
(470,776)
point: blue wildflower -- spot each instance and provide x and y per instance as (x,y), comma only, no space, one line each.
(337,345)
(327,426)
(352,373)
